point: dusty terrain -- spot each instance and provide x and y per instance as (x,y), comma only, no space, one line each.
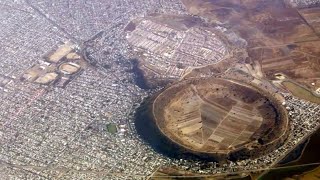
(280,38)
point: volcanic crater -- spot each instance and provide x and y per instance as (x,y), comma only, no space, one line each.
(219,116)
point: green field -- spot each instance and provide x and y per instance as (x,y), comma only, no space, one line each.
(112,128)
(301,92)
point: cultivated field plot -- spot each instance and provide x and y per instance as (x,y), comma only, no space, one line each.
(312,15)
(279,38)
(217,116)
(300,63)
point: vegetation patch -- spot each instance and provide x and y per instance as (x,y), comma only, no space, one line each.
(112,128)
(301,92)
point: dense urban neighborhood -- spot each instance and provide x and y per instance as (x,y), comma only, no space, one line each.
(69,89)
